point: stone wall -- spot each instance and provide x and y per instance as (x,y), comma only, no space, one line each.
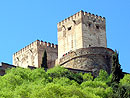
(32,54)
(27,56)
(69,34)
(52,53)
(89,59)
(81,30)
(4,66)
(94,30)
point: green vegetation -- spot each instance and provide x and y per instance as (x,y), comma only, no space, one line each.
(44,60)
(116,68)
(59,82)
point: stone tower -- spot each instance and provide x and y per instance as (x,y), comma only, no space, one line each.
(32,55)
(82,43)
(81,30)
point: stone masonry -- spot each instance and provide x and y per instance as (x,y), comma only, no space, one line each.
(82,45)
(32,55)
(90,59)
(81,30)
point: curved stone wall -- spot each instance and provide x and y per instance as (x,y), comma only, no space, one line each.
(89,59)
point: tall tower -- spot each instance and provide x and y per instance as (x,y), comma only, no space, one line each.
(81,30)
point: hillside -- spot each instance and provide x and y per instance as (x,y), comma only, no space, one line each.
(59,82)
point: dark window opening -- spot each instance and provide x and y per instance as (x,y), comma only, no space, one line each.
(17,59)
(89,24)
(89,45)
(94,20)
(97,27)
(69,28)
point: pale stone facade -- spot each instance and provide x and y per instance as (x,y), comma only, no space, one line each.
(81,30)
(32,55)
(81,45)
(90,59)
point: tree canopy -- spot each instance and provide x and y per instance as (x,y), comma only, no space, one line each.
(57,82)
(44,60)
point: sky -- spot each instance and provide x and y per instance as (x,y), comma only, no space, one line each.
(24,21)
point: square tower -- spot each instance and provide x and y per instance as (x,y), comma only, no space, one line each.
(32,54)
(81,30)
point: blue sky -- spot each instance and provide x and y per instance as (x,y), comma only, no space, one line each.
(24,21)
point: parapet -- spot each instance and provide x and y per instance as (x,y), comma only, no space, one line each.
(37,43)
(89,59)
(93,17)
(86,51)
(79,15)
(26,48)
(47,44)
(71,18)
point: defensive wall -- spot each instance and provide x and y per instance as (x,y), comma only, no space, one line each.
(79,15)
(32,54)
(81,30)
(90,59)
(4,66)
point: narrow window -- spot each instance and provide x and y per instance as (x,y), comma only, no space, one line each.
(97,27)
(69,28)
(17,59)
(89,24)
(94,20)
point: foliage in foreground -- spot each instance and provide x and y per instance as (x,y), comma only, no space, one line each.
(44,60)
(59,83)
(116,68)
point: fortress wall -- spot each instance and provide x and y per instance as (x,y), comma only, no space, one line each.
(52,53)
(89,59)
(70,19)
(32,54)
(81,30)
(79,15)
(94,30)
(26,56)
(69,36)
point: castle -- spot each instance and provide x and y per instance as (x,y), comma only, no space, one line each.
(81,45)
(32,55)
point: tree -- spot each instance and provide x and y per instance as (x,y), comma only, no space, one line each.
(58,72)
(44,60)
(116,68)
(103,76)
(87,77)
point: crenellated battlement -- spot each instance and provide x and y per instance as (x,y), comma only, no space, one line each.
(80,15)
(89,15)
(82,45)
(47,44)
(76,16)
(26,48)
(35,44)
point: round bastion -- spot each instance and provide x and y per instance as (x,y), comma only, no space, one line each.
(89,59)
